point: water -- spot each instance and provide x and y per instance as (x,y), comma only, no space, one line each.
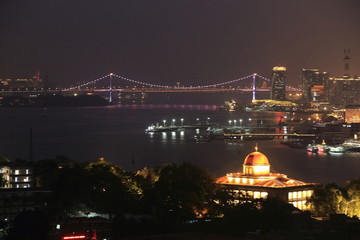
(117,134)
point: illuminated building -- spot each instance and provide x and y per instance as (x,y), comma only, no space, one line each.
(17,175)
(256,181)
(313,85)
(352,114)
(343,91)
(278,83)
(22,83)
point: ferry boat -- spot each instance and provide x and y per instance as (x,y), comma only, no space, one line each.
(157,128)
(318,148)
(312,148)
(323,147)
(337,149)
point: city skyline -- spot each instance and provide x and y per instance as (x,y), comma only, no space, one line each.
(183,41)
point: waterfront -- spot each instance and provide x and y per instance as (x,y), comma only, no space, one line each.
(117,134)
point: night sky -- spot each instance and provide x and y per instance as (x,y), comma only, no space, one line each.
(166,41)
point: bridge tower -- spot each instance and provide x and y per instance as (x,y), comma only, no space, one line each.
(110,87)
(254,86)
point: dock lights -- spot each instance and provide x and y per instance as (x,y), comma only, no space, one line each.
(182,121)
(240,120)
(164,121)
(173,121)
(230,122)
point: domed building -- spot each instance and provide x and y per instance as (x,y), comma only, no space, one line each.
(256,181)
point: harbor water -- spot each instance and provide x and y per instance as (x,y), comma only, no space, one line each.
(117,133)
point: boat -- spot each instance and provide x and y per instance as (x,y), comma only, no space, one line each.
(323,147)
(351,143)
(157,128)
(312,148)
(201,138)
(337,149)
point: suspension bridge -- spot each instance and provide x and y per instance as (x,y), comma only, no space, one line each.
(110,83)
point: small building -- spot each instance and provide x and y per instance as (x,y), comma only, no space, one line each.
(15,201)
(21,175)
(17,175)
(256,181)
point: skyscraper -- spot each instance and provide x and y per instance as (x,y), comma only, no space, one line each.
(313,80)
(278,83)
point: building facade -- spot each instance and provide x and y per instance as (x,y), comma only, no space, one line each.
(256,181)
(313,85)
(352,114)
(343,91)
(278,83)
(17,175)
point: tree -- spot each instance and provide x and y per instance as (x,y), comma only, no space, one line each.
(352,188)
(109,189)
(182,191)
(30,225)
(329,199)
(3,180)
(275,214)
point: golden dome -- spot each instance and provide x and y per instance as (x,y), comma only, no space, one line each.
(256,158)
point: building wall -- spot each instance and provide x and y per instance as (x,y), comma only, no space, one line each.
(21,177)
(5,171)
(352,115)
(343,91)
(310,79)
(15,201)
(278,83)
(296,196)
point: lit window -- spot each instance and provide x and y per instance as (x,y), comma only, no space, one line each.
(17,171)
(26,179)
(16,179)
(309,193)
(295,196)
(27,171)
(290,196)
(256,194)
(264,194)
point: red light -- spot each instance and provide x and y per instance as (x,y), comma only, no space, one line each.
(74,237)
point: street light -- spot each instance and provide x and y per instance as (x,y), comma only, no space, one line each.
(164,121)
(230,122)
(240,122)
(173,122)
(234,122)
(182,121)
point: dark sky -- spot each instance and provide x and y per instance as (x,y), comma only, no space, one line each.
(165,41)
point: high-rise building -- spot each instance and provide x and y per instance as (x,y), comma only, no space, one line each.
(343,91)
(278,83)
(313,85)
